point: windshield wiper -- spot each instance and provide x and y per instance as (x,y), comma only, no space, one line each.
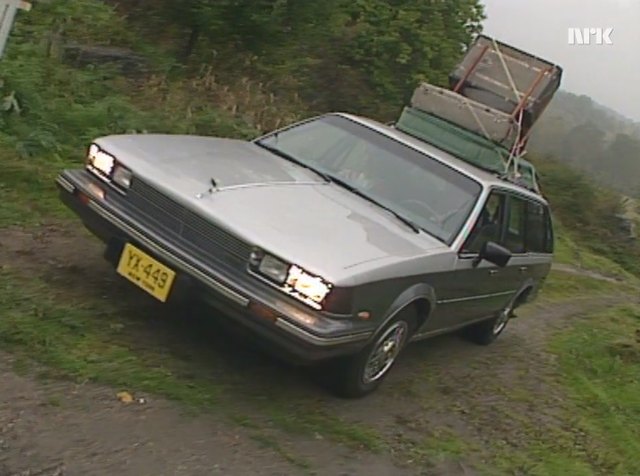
(291,158)
(342,183)
(360,193)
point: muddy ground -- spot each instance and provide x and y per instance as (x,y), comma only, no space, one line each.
(443,389)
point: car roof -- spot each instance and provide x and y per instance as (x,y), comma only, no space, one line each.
(485,178)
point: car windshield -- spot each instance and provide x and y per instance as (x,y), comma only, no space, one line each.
(413,185)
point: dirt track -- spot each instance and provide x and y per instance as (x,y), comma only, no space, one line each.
(441,388)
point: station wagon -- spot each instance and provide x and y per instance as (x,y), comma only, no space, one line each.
(336,240)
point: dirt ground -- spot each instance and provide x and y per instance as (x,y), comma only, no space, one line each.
(490,396)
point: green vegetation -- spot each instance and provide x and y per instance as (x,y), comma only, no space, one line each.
(83,340)
(80,338)
(60,107)
(441,445)
(272,443)
(562,285)
(379,52)
(600,362)
(362,55)
(586,214)
(271,66)
(58,103)
(598,429)
(573,253)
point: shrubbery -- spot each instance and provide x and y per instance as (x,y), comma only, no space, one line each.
(588,213)
(236,68)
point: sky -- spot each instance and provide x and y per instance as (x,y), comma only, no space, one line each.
(609,74)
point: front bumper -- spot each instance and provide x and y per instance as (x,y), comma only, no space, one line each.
(300,333)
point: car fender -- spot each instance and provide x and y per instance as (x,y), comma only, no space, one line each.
(406,298)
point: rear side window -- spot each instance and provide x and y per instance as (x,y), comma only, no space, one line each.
(521,225)
(514,238)
(536,228)
(548,246)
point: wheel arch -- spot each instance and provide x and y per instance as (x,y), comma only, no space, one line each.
(421,297)
(522,295)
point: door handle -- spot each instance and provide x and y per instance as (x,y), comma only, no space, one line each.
(523,269)
(493,272)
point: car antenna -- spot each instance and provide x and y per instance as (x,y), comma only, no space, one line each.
(214,185)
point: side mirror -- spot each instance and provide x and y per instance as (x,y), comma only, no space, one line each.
(494,253)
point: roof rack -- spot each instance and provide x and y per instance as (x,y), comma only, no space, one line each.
(497,93)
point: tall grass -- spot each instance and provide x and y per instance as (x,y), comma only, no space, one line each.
(53,107)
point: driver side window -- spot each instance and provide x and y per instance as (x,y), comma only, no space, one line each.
(489,224)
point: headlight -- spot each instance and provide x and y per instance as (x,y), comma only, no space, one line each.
(100,161)
(107,167)
(122,176)
(291,279)
(313,287)
(273,268)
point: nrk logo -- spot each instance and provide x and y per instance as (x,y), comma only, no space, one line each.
(590,36)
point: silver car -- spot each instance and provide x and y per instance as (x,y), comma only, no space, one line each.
(336,239)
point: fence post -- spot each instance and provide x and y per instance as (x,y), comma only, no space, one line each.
(8,10)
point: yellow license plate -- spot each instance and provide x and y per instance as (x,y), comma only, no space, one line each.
(146,272)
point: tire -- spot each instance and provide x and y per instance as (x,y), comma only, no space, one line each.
(353,378)
(485,332)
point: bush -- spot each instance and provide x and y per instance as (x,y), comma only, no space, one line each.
(588,213)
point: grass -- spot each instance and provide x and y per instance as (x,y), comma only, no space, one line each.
(599,429)
(570,252)
(27,189)
(561,285)
(272,443)
(600,363)
(441,445)
(80,338)
(84,341)
(317,422)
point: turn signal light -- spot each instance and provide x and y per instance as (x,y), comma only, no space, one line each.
(263,311)
(97,191)
(84,198)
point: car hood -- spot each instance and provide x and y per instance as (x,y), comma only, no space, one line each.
(272,203)
(191,162)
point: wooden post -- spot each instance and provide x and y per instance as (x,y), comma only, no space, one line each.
(8,10)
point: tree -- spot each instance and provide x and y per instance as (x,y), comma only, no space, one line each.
(364,56)
(584,145)
(395,44)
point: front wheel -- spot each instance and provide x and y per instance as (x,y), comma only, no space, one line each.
(358,375)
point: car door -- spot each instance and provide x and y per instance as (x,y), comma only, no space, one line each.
(479,289)
(539,241)
(520,268)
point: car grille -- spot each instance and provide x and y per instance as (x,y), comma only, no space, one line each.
(187,226)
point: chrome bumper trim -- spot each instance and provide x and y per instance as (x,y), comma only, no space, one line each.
(64,183)
(320,341)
